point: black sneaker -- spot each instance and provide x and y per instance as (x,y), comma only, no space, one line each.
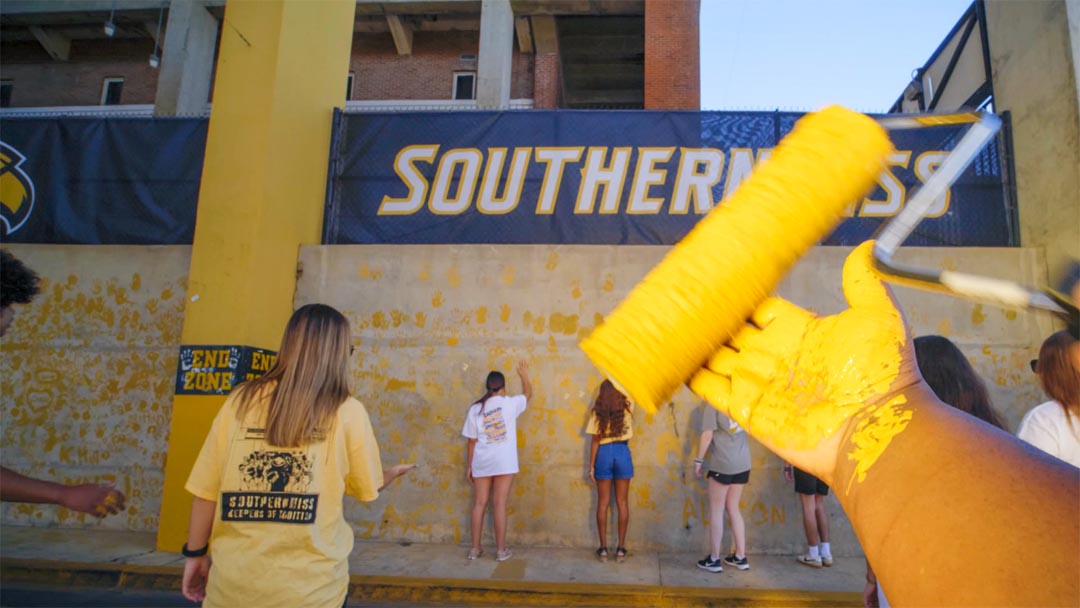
(741,563)
(710,564)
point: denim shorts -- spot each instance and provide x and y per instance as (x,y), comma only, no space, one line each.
(613,461)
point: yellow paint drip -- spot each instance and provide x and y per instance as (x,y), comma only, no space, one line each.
(553,261)
(977,315)
(874,433)
(710,283)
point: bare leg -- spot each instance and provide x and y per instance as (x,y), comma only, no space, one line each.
(482,487)
(809,517)
(717,494)
(603,501)
(738,526)
(822,518)
(502,495)
(622,500)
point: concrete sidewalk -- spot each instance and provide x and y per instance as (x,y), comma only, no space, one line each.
(424,573)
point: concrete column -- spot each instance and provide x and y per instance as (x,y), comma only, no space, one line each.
(187,59)
(279,78)
(496,55)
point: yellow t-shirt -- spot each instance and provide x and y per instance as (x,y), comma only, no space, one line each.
(593,427)
(279,536)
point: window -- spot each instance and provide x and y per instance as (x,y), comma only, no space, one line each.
(6,88)
(464,85)
(111,90)
(348,86)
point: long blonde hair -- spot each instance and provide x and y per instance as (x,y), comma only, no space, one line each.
(308,381)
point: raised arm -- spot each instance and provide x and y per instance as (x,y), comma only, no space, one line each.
(922,483)
(523,373)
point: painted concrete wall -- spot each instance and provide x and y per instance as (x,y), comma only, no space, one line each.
(86,376)
(430,321)
(1032,59)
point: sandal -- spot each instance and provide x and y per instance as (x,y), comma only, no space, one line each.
(475,553)
(601,554)
(620,554)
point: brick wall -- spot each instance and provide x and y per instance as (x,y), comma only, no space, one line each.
(40,81)
(429,72)
(546,85)
(672,64)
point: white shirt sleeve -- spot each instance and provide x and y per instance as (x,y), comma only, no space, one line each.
(470,430)
(519,404)
(1034,430)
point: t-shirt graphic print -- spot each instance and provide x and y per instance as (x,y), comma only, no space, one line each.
(495,432)
(274,487)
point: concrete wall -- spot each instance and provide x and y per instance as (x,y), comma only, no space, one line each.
(430,321)
(86,376)
(1032,58)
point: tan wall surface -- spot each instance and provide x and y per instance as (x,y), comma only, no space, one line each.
(86,376)
(1034,78)
(430,321)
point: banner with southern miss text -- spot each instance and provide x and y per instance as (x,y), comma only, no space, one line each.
(613,177)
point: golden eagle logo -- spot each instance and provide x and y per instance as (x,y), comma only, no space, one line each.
(16,190)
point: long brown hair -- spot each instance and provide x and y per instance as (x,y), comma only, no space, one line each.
(610,408)
(308,381)
(495,382)
(952,378)
(1059,378)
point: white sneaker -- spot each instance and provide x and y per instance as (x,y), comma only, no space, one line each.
(826,560)
(504,555)
(806,560)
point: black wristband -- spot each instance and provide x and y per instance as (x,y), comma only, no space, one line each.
(189,553)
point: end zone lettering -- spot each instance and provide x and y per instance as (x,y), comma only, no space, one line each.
(658,177)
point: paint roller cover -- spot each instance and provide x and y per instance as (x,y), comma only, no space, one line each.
(702,292)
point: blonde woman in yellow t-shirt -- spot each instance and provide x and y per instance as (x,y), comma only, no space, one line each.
(611,425)
(271,477)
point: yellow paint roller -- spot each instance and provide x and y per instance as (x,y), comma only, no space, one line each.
(706,287)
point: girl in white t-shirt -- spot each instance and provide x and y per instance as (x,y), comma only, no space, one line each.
(1054,426)
(491,428)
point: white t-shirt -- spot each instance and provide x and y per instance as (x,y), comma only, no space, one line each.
(495,432)
(1047,427)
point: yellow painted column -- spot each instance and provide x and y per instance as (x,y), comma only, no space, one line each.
(281,70)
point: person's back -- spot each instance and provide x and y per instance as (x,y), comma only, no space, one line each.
(1054,426)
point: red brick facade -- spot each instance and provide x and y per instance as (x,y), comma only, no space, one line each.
(429,72)
(672,55)
(546,84)
(39,81)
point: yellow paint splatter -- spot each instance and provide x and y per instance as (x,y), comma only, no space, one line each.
(564,324)
(943,328)
(136,281)
(425,273)
(504,313)
(874,433)
(977,315)
(609,283)
(551,346)
(379,320)
(437,299)
(397,318)
(1010,315)
(421,319)
(481,315)
(453,277)
(452,341)
(575,291)
(508,275)
(553,261)
(394,384)
(366,272)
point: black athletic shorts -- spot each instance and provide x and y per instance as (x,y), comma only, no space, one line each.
(728,480)
(806,483)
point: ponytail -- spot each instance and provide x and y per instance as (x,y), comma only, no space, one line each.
(495,382)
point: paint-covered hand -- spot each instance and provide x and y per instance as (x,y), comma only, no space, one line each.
(95,499)
(805,385)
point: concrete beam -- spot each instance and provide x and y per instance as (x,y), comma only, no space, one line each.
(56,44)
(187,60)
(496,55)
(545,35)
(524,36)
(23,7)
(402,33)
(152,29)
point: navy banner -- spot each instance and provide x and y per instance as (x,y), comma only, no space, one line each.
(100,181)
(611,177)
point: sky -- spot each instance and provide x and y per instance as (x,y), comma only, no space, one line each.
(804,54)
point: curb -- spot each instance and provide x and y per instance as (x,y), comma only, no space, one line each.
(403,589)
